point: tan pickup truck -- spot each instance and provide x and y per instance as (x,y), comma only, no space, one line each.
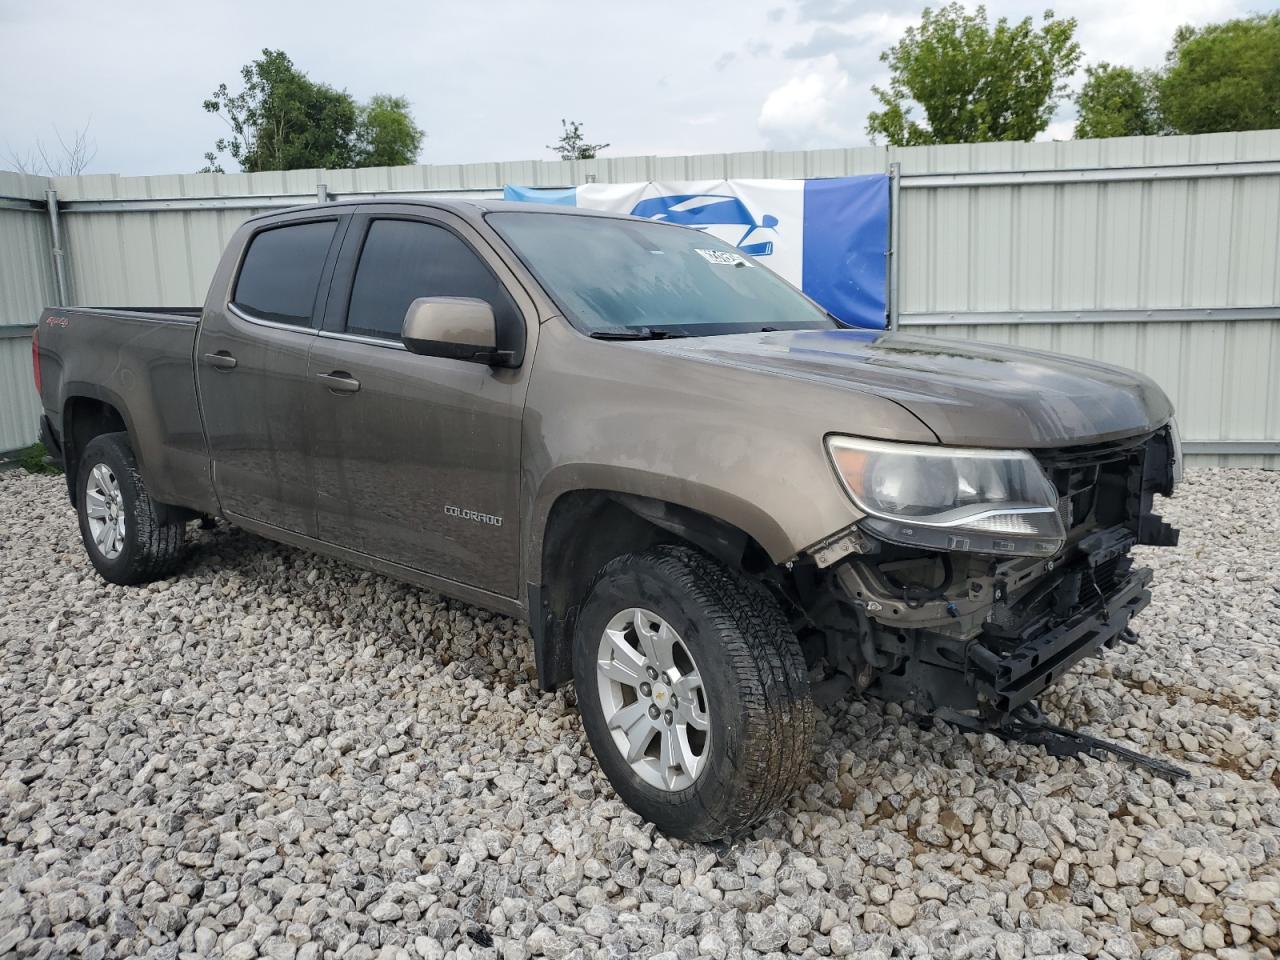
(716,507)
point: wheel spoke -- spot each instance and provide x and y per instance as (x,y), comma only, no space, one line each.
(102,536)
(678,762)
(626,717)
(634,724)
(621,661)
(619,672)
(688,688)
(638,737)
(669,758)
(689,761)
(657,644)
(98,510)
(688,685)
(692,715)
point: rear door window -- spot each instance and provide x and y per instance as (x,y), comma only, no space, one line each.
(406,259)
(280,275)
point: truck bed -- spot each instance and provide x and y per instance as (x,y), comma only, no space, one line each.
(140,360)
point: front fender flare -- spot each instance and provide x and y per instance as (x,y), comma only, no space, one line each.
(728,508)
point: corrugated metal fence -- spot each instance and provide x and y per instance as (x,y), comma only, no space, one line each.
(26,286)
(1158,253)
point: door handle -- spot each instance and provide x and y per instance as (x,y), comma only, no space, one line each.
(339,381)
(221,360)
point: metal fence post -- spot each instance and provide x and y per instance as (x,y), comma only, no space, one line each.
(895,219)
(322,193)
(55,233)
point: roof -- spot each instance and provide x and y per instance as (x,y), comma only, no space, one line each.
(459,205)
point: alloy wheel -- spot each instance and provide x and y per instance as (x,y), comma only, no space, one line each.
(653,699)
(104,506)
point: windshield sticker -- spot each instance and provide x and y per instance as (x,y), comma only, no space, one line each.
(723,257)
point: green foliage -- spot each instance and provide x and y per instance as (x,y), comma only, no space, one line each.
(31,459)
(283,120)
(975,83)
(1118,102)
(1225,76)
(387,135)
(572,145)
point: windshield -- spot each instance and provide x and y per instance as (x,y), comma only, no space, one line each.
(613,276)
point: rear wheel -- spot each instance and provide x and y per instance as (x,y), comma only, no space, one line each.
(693,692)
(129,537)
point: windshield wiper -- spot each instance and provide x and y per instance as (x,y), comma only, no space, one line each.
(634,333)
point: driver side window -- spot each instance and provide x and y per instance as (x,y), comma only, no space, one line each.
(406,259)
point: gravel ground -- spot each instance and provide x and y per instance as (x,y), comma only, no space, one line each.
(277,755)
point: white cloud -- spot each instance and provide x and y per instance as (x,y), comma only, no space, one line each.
(1138,32)
(807,110)
(1059,130)
(827,9)
(824,40)
(825,102)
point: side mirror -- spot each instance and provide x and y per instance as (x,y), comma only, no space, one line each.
(457,328)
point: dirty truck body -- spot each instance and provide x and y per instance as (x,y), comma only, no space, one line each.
(713,505)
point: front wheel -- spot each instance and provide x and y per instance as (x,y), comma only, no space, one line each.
(693,692)
(129,537)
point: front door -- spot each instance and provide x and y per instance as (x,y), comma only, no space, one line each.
(417,459)
(251,369)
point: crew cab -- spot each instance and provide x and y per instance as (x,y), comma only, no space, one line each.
(715,506)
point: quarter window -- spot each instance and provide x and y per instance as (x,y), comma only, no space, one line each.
(403,260)
(281,272)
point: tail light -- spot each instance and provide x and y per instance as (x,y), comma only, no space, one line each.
(35,356)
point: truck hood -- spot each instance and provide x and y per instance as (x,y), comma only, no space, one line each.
(967,393)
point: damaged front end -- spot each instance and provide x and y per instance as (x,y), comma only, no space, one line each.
(1010,569)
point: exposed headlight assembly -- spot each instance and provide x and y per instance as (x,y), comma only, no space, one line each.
(951,498)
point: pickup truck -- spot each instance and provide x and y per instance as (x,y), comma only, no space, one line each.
(718,509)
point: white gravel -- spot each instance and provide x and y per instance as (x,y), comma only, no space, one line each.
(277,755)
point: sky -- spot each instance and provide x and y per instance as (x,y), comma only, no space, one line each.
(491,79)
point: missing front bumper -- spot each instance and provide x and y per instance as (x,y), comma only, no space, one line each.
(1007,680)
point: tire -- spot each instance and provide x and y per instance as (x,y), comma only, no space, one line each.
(150,544)
(753,695)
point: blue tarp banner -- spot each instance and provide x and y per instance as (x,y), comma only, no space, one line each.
(828,237)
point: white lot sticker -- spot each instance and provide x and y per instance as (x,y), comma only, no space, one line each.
(720,256)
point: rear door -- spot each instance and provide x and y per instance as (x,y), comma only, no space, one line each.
(417,459)
(251,369)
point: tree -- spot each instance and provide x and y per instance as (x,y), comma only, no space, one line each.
(1224,76)
(69,159)
(283,120)
(1118,102)
(572,145)
(975,83)
(387,135)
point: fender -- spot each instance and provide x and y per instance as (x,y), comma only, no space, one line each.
(748,517)
(83,390)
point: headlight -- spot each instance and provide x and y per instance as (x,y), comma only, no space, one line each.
(951,498)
